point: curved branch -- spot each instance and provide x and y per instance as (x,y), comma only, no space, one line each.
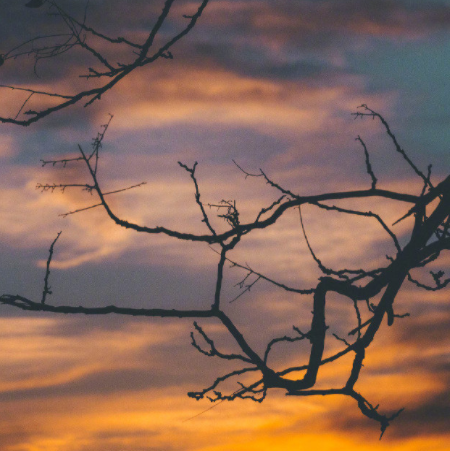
(115,74)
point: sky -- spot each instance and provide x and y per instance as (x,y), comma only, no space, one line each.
(272,86)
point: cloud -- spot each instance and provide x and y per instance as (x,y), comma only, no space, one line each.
(169,193)
(252,44)
(291,22)
(182,96)
(6,146)
(91,237)
(91,361)
(306,40)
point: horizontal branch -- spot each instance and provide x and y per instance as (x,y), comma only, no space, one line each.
(26,304)
(278,212)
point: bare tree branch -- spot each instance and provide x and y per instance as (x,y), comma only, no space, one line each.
(47,272)
(77,36)
(428,239)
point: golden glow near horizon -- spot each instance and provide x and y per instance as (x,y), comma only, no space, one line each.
(63,398)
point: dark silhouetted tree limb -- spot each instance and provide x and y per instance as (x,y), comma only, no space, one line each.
(78,36)
(428,239)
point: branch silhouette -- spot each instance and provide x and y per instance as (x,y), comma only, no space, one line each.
(79,36)
(428,239)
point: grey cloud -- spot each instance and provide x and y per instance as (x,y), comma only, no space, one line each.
(427,417)
(237,36)
(425,330)
(252,37)
(254,60)
(216,144)
(290,21)
(172,365)
(100,383)
(430,417)
(15,433)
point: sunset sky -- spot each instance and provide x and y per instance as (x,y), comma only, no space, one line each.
(270,85)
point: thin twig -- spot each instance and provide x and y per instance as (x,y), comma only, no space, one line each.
(47,272)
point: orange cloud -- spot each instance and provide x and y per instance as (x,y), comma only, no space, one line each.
(211,96)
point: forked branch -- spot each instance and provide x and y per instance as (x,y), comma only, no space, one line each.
(81,36)
(428,239)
